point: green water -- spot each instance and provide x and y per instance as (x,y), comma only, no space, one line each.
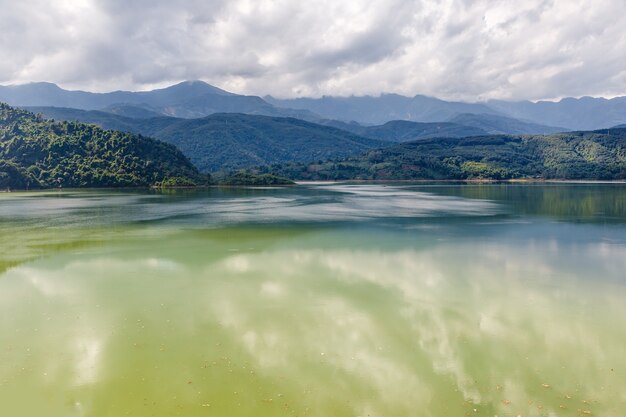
(318,300)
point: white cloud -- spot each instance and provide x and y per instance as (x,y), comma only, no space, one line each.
(455,49)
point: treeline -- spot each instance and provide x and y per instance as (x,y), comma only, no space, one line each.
(36,153)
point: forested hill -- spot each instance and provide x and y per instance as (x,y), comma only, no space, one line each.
(405,131)
(36,153)
(500,125)
(228,140)
(599,155)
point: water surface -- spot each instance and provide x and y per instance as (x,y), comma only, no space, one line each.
(318,300)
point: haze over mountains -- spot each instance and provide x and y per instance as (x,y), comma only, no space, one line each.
(194,99)
(381,109)
(190,99)
(586,113)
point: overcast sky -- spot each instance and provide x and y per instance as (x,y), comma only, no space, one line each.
(453,49)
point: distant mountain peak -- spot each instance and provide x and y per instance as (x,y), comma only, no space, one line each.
(197,83)
(37,84)
(197,87)
(191,83)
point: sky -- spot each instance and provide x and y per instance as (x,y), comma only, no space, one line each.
(470,50)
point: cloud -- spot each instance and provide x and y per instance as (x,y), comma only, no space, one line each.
(454,49)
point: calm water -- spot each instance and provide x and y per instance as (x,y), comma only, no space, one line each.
(318,300)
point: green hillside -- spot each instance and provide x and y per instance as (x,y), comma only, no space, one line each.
(501,125)
(405,131)
(228,141)
(104,119)
(36,153)
(575,155)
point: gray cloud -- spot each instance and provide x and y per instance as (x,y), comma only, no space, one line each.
(455,49)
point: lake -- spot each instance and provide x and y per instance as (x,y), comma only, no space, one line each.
(317,300)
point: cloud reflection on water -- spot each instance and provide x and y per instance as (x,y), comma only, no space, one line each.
(512,316)
(392,332)
(327,203)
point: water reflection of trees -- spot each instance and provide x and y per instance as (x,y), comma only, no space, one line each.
(603,203)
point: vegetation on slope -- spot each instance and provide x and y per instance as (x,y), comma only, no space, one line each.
(501,125)
(104,119)
(247,178)
(575,155)
(231,141)
(36,153)
(405,131)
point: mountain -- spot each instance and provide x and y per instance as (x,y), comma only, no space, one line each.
(196,99)
(103,119)
(404,131)
(201,106)
(381,109)
(394,131)
(586,113)
(227,140)
(495,124)
(574,155)
(189,99)
(38,153)
(47,94)
(132,111)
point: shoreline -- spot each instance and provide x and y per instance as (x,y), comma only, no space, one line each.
(468,181)
(327,182)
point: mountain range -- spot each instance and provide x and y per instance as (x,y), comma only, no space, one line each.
(196,99)
(225,141)
(586,113)
(190,99)
(35,152)
(381,109)
(220,131)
